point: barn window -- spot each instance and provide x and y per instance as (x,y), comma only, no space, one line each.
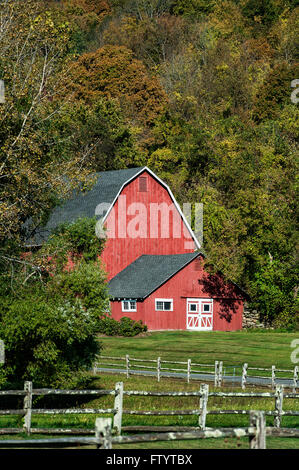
(164,305)
(207,307)
(129,306)
(143,184)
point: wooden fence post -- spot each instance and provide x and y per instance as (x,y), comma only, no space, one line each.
(257,420)
(188,370)
(103,429)
(278,405)
(118,405)
(220,369)
(273,376)
(158,368)
(27,407)
(203,405)
(295,380)
(128,365)
(244,375)
(216,374)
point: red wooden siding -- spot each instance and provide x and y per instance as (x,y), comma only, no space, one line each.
(121,251)
(191,281)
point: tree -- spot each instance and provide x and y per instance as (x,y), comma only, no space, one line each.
(114,73)
(275,91)
(152,39)
(275,292)
(50,327)
(32,63)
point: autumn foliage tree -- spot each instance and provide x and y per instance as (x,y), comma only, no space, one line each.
(114,73)
(32,175)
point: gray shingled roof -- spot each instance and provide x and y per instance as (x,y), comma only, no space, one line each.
(81,205)
(146,274)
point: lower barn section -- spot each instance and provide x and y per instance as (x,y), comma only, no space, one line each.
(184,314)
(183,297)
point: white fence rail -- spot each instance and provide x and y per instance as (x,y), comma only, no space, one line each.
(217,372)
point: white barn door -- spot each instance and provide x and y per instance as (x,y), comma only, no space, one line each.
(200,314)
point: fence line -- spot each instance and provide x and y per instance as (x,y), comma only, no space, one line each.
(118,411)
(257,433)
(217,370)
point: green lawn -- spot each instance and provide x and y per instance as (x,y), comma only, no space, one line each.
(258,348)
(234,348)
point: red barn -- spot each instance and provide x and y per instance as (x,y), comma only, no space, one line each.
(155,265)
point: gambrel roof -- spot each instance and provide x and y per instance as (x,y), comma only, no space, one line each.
(83,204)
(146,274)
(106,189)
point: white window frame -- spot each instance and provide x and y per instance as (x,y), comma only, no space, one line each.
(164,300)
(129,309)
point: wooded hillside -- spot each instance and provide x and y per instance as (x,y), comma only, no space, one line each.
(198,90)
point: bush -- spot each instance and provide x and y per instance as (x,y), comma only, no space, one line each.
(51,345)
(125,327)
(130,327)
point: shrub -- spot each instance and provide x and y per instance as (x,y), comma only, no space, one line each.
(47,343)
(125,327)
(108,326)
(129,327)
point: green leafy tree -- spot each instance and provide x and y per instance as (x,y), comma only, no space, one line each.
(275,290)
(48,342)
(50,327)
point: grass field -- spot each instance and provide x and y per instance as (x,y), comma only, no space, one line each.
(260,349)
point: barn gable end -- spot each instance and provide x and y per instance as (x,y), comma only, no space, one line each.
(144,219)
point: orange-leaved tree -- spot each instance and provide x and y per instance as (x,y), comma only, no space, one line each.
(113,72)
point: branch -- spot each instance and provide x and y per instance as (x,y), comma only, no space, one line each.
(25,263)
(35,99)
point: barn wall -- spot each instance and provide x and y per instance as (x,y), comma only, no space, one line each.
(121,251)
(227,303)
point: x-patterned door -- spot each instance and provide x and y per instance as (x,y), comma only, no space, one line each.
(200,314)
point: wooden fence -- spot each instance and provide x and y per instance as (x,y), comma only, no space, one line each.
(118,410)
(104,439)
(217,371)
